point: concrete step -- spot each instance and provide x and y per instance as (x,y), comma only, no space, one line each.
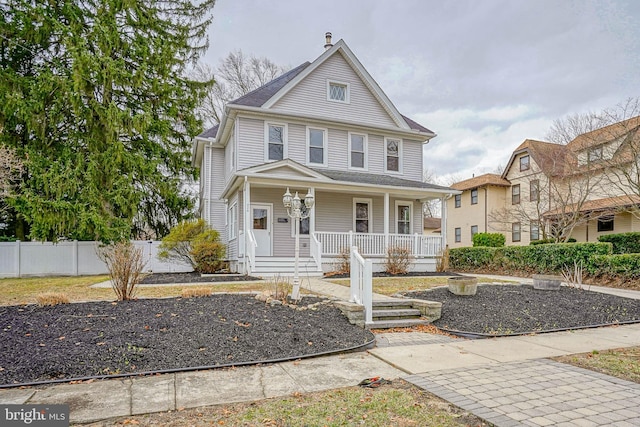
(403,323)
(410,313)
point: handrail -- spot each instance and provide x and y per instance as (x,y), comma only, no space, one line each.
(361,288)
(316,250)
(251,252)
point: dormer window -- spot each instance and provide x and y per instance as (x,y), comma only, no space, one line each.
(338,91)
(595,154)
(524,163)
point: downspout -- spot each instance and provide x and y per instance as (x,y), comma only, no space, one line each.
(485,210)
(209,195)
(443,220)
(244,226)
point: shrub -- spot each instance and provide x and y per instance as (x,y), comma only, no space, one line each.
(125,263)
(192,292)
(473,258)
(208,256)
(52,298)
(179,244)
(623,243)
(541,242)
(626,266)
(342,265)
(493,240)
(398,260)
(442,261)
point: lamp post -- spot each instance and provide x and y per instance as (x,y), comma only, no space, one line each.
(294,210)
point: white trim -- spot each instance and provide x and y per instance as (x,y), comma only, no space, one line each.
(285,138)
(369,212)
(325,148)
(395,214)
(365,147)
(399,171)
(347,91)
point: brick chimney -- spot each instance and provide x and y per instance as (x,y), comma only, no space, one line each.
(328,44)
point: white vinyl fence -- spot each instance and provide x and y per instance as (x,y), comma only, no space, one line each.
(19,259)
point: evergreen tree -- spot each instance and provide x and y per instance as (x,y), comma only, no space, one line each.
(94,96)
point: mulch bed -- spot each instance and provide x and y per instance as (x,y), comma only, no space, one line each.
(518,309)
(102,338)
(193,277)
(385,274)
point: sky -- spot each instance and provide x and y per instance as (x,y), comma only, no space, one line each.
(483,75)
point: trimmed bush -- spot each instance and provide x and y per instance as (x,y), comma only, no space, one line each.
(494,240)
(545,241)
(208,255)
(626,266)
(179,244)
(480,257)
(623,243)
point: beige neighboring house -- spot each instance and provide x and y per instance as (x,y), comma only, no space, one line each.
(582,190)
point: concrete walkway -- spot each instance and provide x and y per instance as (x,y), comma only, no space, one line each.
(506,381)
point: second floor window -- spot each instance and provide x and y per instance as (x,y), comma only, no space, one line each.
(276,140)
(458,200)
(474,196)
(515,194)
(392,155)
(357,151)
(524,163)
(534,191)
(317,146)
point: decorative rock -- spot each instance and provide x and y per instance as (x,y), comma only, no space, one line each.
(546,282)
(463,285)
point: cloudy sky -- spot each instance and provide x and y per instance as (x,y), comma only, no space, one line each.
(484,75)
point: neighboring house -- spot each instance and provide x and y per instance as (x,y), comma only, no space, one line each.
(325,128)
(431,225)
(582,190)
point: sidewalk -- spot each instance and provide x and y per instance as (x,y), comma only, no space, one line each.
(506,381)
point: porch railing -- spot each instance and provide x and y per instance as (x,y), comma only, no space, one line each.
(361,288)
(315,250)
(251,252)
(376,244)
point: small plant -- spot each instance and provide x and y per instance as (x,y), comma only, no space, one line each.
(573,278)
(52,298)
(125,263)
(442,260)
(343,262)
(195,292)
(398,260)
(281,288)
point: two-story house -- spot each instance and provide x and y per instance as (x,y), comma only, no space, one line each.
(325,128)
(582,190)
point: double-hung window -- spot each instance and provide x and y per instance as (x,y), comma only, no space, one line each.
(458,200)
(403,217)
(534,232)
(393,155)
(474,196)
(362,215)
(458,234)
(534,190)
(515,194)
(357,151)
(515,232)
(276,141)
(317,146)
(474,231)
(524,163)
(232,221)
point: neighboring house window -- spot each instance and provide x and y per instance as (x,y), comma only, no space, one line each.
(357,151)
(276,146)
(403,217)
(362,215)
(474,231)
(515,232)
(474,197)
(534,190)
(317,146)
(458,233)
(338,92)
(595,154)
(534,232)
(392,155)
(524,163)
(233,221)
(458,200)
(515,194)
(605,223)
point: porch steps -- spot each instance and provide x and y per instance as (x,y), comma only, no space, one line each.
(285,266)
(395,313)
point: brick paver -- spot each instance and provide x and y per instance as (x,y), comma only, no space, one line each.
(538,392)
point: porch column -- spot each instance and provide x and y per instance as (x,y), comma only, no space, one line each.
(246,200)
(386,221)
(443,221)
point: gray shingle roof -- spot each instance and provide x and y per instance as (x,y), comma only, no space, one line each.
(258,97)
(210,133)
(369,178)
(414,125)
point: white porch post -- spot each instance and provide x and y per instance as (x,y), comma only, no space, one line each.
(386,221)
(443,221)
(247,221)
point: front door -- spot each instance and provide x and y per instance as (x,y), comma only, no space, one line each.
(262,228)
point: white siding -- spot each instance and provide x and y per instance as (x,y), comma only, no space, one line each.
(310,96)
(250,142)
(334,211)
(216,207)
(232,246)
(412,160)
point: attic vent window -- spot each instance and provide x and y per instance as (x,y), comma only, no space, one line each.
(338,92)
(595,154)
